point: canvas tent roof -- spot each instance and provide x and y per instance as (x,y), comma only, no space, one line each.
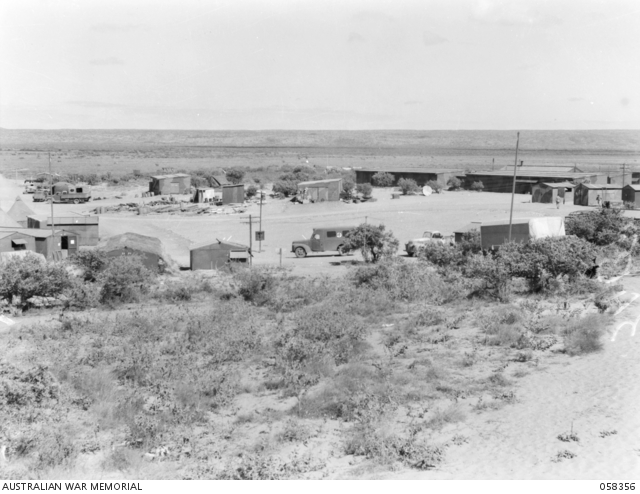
(20,211)
(319,182)
(8,221)
(142,243)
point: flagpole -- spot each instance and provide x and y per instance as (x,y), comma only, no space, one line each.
(513,189)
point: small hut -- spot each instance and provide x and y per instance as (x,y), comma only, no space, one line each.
(20,212)
(459,233)
(57,245)
(631,194)
(597,194)
(150,249)
(215,255)
(321,190)
(233,194)
(87,228)
(177,183)
(205,194)
(547,192)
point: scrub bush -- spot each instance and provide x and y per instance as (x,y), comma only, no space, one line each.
(124,279)
(382,179)
(408,186)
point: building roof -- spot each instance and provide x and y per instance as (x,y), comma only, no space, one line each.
(8,221)
(319,182)
(601,186)
(430,171)
(173,175)
(221,179)
(633,186)
(66,220)
(557,185)
(30,232)
(543,169)
(515,221)
(19,211)
(468,228)
(527,172)
(231,245)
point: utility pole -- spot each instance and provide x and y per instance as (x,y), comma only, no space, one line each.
(250,239)
(513,189)
(624,170)
(53,232)
(260,241)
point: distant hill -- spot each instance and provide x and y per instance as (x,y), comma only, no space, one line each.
(614,141)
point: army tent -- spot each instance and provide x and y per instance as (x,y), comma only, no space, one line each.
(20,211)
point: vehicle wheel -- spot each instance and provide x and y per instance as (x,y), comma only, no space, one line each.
(342,251)
(76,201)
(411,253)
(300,252)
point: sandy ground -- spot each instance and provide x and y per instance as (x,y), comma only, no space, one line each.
(593,396)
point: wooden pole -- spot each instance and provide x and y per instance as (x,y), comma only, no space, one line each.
(513,189)
(250,242)
(53,232)
(260,241)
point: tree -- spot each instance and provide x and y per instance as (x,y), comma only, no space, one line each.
(601,227)
(365,190)
(30,276)
(373,241)
(454,183)
(347,188)
(435,186)
(286,188)
(477,186)
(382,179)
(124,279)
(407,185)
(251,191)
(235,175)
(91,261)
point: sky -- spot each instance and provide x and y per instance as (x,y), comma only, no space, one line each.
(320,64)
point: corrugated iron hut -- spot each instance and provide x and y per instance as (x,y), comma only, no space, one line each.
(20,212)
(548,192)
(597,194)
(321,190)
(631,193)
(527,176)
(420,175)
(233,194)
(459,233)
(150,249)
(496,233)
(56,247)
(177,183)
(216,255)
(87,228)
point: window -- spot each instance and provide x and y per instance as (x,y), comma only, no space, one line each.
(331,234)
(316,236)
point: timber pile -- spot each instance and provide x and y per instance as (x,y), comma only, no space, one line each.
(166,207)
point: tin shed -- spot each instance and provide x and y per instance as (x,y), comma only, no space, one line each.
(216,255)
(546,192)
(57,246)
(597,194)
(496,233)
(233,194)
(177,183)
(631,193)
(321,190)
(87,228)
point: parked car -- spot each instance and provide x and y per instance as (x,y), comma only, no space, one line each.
(29,187)
(42,193)
(322,240)
(412,246)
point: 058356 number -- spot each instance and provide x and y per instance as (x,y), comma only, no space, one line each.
(618,486)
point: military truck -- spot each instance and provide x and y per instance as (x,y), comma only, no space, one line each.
(68,193)
(325,239)
(412,246)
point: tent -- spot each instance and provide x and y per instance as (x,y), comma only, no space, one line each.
(8,221)
(496,233)
(20,212)
(149,248)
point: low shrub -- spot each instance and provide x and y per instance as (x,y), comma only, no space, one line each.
(477,186)
(454,183)
(435,186)
(124,279)
(382,179)
(584,335)
(256,285)
(92,262)
(408,186)
(364,189)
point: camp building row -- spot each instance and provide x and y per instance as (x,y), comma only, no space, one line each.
(420,175)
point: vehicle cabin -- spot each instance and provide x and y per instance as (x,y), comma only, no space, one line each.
(64,192)
(328,239)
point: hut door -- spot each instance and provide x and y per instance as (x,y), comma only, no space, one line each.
(70,243)
(41,246)
(175,188)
